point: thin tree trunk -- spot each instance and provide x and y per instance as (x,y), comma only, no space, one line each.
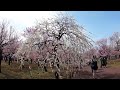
(31,61)
(0,58)
(57,75)
(9,62)
(0,65)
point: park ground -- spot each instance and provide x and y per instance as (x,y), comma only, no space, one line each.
(13,72)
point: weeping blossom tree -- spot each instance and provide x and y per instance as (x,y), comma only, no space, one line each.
(59,42)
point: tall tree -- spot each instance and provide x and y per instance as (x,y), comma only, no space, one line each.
(6,37)
(103,48)
(116,38)
(54,36)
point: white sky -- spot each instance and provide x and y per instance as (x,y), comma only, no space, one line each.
(22,19)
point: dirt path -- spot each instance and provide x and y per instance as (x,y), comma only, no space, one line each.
(111,72)
(106,73)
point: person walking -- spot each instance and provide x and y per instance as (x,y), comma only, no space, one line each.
(94,66)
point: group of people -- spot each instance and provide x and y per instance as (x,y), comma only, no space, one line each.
(94,65)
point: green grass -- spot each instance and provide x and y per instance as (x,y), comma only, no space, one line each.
(2,76)
(13,72)
(114,63)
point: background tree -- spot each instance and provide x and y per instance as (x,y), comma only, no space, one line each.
(7,37)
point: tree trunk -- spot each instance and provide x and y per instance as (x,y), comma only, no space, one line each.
(0,65)
(8,62)
(45,68)
(31,61)
(115,56)
(17,60)
(5,60)
(0,58)
(56,75)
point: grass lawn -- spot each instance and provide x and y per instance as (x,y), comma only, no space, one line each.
(13,72)
(114,63)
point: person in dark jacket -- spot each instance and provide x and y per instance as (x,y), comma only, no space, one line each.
(94,66)
(104,61)
(101,61)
